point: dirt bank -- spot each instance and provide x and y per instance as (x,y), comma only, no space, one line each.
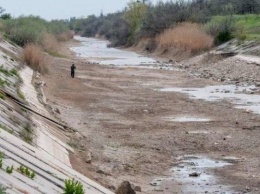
(230,63)
(122,122)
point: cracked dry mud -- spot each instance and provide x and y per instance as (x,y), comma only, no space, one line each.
(120,115)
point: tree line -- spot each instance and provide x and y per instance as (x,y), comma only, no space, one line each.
(141,19)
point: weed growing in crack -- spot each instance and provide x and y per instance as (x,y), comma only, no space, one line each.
(14,72)
(9,169)
(1,155)
(73,187)
(2,190)
(32,176)
(4,71)
(4,82)
(1,163)
(27,133)
(21,169)
(4,127)
(26,172)
(23,109)
(2,96)
(20,94)
(26,136)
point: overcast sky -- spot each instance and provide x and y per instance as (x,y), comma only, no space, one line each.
(62,9)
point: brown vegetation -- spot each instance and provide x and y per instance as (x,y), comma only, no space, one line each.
(65,36)
(188,36)
(49,43)
(34,57)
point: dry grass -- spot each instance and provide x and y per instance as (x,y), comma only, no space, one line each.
(187,36)
(34,57)
(50,43)
(65,36)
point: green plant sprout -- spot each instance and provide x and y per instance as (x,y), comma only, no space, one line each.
(2,190)
(1,153)
(21,169)
(73,187)
(32,175)
(26,171)
(1,163)
(9,169)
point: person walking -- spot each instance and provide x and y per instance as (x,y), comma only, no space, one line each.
(72,70)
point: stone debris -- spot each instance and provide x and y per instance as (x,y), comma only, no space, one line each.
(138,189)
(89,158)
(125,188)
(194,174)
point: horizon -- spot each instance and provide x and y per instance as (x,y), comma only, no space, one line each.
(62,9)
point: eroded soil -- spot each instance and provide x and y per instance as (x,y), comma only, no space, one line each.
(120,114)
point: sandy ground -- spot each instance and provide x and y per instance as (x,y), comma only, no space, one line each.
(120,117)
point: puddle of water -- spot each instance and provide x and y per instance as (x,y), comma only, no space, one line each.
(235,94)
(98,52)
(180,177)
(186,119)
(198,132)
(155,66)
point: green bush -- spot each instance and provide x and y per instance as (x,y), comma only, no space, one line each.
(224,37)
(57,27)
(221,28)
(73,187)
(25,30)
(6,16)
(31,29)
(134,15)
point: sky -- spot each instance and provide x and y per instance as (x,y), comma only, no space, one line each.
(62,9)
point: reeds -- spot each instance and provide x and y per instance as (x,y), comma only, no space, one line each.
(187,36)
(34,57)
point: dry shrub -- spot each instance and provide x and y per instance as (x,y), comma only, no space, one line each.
(65,36)
(188,36)
(34,57)
(49,43)
(147,44)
